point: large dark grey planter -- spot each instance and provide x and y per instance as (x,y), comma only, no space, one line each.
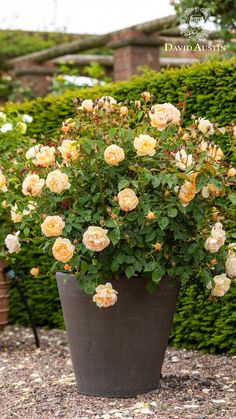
(118,351)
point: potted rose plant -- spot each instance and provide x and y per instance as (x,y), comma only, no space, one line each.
(129,205)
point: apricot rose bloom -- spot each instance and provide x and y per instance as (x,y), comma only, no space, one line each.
(63,250)
(34,271)
(87,105)
(3,181)
(124,110)
(32,185)
(127,199)
(158,120)
(183,160)
(52,225)
(145,145)
(114,155)
(164,112)
(105,295)
(220,287)
(187,193)
(231,172)
(57,181)
(45,156)
(68,150)
(95,238)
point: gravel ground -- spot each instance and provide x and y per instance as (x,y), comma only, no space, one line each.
(39,384)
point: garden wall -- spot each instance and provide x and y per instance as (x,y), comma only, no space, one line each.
(198,324)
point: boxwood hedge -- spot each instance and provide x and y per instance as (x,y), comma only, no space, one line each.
(198,323)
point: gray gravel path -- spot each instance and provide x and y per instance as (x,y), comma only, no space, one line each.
(39,384)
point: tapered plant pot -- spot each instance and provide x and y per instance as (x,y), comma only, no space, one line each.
(118,351)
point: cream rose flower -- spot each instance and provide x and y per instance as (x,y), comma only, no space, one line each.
(205,126)
(158,120)
(187,193)
(12,243)
(145,145)
(146,96)
(63,250)
(106,102)
(17,216)
(34,271)
(114,155)
(87,105)
(221,285)
(218,233)
(211,244)
(215,152)
(32,151)
(127,199)
(95,238)
(183,160)
(32,185)
(231,172)
(168,110)
(202,146)
(3,182)
(230,266)
(68,150)
(45,156)
(105,295)
(52,226)
(57,181)
(124,110)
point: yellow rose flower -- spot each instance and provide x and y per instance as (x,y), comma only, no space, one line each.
(68,150)
(145,145)
(127,199)
(114,155)
(57,181)
(95,238)
(22,127)
(105,295)
(34,271)
(63,250)
(32,185)
(167,110)
(124,110)
(87,105)
(231,172)
(146,96)
(45,156)
(52,225)
(3,187)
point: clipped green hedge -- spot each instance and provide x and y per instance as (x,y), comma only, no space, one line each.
(213,86)
(198,323)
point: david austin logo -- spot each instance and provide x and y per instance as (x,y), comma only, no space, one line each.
(192,27)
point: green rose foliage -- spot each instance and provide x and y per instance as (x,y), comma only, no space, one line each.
(162,228)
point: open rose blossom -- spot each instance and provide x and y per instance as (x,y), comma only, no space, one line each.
(183,160)
(95,238)
(127,199)
(105,295)
(145,145)
(52,226)
(3,186)
(106,102)
(32,185)
(87,105)
(166,111)
(63,250)
(68,150)
(12,243)
(32,151)
(45,156)
(216,239)
(187,193)
(230,263)
(114,155)
(205,126)
(57,181)
(220,287)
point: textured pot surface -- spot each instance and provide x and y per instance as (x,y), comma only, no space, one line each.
(118,351)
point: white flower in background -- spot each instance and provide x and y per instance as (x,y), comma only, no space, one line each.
(87,105)
(183,160)
(52,226)
(3,117)
(127,199)
(3,182)
(145,145)
(27,118)
(220,286)
(57,181)
(205,126)
(22,127)
(105,295)
(95,238)
(231,261)
(114,155)
(106,102)
(12,242)
(6,127)
(45,156)
(32,185)
(32,151)
(68,150)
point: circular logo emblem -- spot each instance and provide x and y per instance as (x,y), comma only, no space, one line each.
(195,18)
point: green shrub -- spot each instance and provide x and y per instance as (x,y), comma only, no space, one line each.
(212,85)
